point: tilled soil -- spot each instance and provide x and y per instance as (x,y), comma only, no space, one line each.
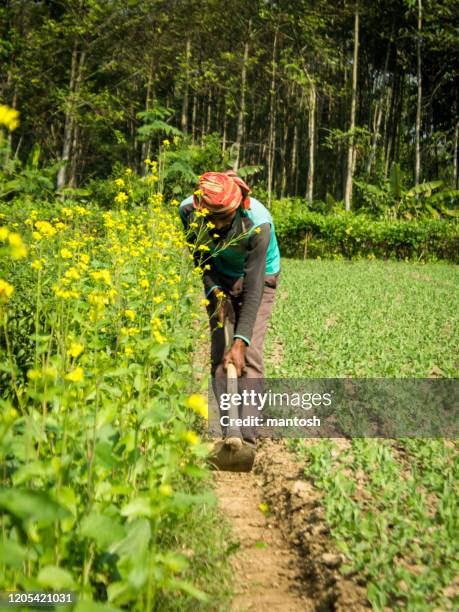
(286,559)
(265,566)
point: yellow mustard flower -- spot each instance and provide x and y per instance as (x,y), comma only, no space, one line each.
(72,274)
(160,339)
(75,349)
(103,275)
(130,314)
(165,490)
(121,197)
(129,331)
(6,290)
(9,117)
(14,239)
(37,264)
(4,233)
(66,254)
(191,438)
(76,375)
(45,228)
(34,374)
(119,182)
(198,404)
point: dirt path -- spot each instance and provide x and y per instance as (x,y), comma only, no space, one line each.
(286,560)
(265,566)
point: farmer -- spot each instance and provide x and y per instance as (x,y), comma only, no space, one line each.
(240,274)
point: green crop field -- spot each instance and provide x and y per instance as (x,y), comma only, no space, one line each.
(391,504)
(365,319)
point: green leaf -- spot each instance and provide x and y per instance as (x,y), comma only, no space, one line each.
(32,505)
(159,352)
(136,541)
(104,453)
(140,506)
(11,554)
(103,529)
(188,588)
(55,577)
(29,471)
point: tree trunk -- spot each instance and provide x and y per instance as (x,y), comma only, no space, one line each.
(312,139)
(390,124)
(272,121)
(399,118)
(294,167)
(455,154)
(209,112)
(203,121)
(69,122)
(193,118)
(225,126)
(417,169)
(283,182)
(75,151)
(378,115)
(387,106)
(10,133)
(351,150)
(146,145)
(241,115)
(184,117)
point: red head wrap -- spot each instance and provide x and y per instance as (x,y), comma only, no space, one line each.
(222,192)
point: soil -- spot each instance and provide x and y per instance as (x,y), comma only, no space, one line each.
(285,559)
(266,568)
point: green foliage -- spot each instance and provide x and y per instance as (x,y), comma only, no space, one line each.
(27,180)
(392,200)
(303,233)
(105,485)
(154,123)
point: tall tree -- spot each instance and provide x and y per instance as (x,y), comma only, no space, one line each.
(417,171)
(351,149)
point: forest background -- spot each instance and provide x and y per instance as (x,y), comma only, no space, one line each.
(343,104)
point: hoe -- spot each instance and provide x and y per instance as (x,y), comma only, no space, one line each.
(232,454)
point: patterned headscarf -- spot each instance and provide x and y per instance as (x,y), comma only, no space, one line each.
(221,192)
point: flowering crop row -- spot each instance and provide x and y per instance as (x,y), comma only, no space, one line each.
(102,467)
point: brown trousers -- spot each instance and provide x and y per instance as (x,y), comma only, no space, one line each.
(254,365)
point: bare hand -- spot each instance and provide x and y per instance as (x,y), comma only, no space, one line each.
(236,356)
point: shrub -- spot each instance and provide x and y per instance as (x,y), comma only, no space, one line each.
(309,234)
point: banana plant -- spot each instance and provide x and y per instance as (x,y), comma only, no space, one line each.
(431,199)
